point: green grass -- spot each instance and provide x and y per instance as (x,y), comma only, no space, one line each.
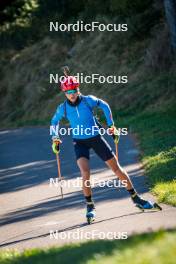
(152,248)
(156,133)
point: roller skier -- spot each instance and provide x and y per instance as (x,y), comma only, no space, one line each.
(78,109)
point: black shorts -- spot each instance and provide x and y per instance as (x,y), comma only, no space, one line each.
(97,143)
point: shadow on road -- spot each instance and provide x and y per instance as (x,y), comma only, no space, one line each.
(27,160)
(4,243)
(70,201)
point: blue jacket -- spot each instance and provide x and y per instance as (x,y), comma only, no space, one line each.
(82,116)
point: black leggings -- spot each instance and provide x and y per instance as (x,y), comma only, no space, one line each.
(97,143)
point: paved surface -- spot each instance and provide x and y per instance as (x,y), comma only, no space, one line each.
(32,213)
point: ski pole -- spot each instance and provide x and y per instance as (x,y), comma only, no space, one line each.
(116,148)
(59,174)
(116,137)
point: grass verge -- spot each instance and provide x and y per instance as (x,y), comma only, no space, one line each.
(156,132)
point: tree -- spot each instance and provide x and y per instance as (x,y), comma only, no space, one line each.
(170,10)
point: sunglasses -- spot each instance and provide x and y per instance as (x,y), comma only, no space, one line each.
(71,92)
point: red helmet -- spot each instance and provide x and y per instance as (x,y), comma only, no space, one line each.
(69,83)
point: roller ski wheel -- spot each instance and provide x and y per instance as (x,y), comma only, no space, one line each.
(149,206)
(90,215)
(90,219)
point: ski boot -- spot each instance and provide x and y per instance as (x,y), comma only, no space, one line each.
(90,214)
(144,205)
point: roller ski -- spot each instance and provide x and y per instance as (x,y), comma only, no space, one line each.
(90,214)
(145,205)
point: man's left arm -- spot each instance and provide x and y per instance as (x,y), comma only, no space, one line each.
(104,106)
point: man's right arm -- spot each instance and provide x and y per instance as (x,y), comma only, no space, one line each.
(59,114)
(54,129)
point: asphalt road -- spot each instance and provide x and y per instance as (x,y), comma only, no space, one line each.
(32,213)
